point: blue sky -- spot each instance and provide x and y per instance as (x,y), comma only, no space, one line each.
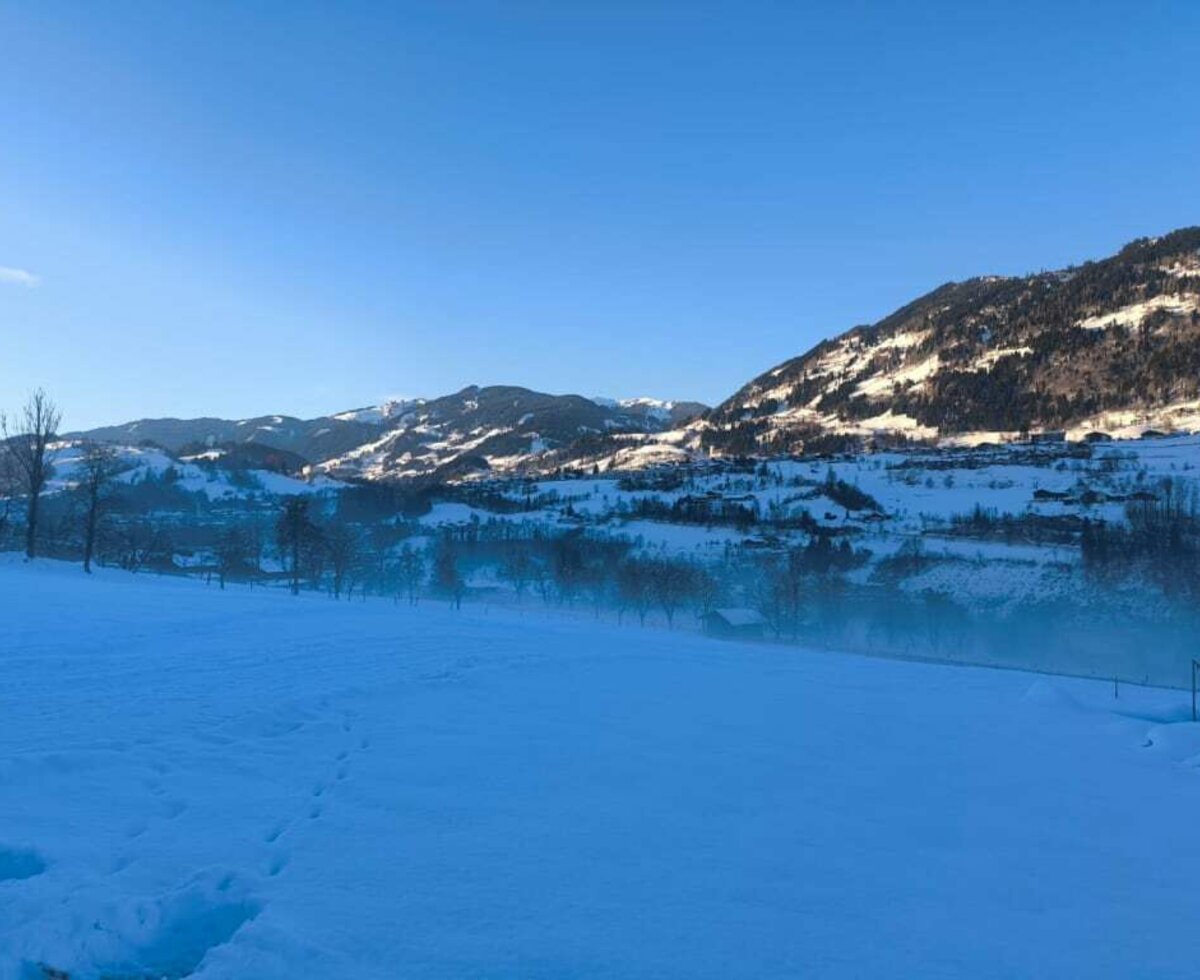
(237,209)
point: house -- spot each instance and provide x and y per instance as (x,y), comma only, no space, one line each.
(740,623)
(1049,435)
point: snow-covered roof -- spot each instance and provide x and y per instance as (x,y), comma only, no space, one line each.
(740,617)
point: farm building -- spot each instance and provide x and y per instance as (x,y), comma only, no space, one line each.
(741,623)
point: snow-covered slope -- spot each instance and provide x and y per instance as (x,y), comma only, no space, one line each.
(223,785)
(216,474)
(500,429)
(1107,345)
(308,438)
(473,430)
(668,414)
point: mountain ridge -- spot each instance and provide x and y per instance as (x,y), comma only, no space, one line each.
(1111,345)
(1092,346)
(445,436)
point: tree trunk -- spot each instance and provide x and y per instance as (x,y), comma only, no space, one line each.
(89,538)
(31,527)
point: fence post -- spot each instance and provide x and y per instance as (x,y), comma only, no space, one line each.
(1195,664)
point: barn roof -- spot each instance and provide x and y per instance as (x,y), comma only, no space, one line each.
(740,617)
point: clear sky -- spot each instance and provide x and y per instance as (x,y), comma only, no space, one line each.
(246,208)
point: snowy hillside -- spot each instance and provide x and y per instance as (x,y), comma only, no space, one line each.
(308,438)
(242,784)
(1103,347)
(1107,346)
(211,474)
(498,428)
(452,437)
(668,414)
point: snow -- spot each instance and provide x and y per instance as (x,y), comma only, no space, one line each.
(1182,416)
(657,407)
(986,362)
(882,383)
(281,485)
(680,539)
(646,454)
(903,340)
(378,414)
(1187,267)
(1133,314)
(244,784)
(893,422)
(217,484)
(451,512)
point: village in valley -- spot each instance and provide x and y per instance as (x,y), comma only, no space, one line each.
(852,550)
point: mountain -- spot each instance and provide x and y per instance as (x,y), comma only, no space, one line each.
(500,428)
(472,431)
(1111,345)
(312,439)
(670,414)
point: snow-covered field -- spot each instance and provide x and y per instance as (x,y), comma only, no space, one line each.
(243,784)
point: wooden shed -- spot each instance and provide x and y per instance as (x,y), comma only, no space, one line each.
(744,623)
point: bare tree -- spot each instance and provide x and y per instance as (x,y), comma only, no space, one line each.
(671,584)
(634,578)
(567,565)
(28,437)
(517,567)
(344,547)
(234,553)
(410,569)
(99,465)
(140,543)
(447,576)
(10,487)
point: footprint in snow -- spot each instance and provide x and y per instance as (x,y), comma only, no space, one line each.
(19,863)
(120,863)
(173,809)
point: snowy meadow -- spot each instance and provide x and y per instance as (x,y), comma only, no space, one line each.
(242,783)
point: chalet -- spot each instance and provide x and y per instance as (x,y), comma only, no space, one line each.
(743,623)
